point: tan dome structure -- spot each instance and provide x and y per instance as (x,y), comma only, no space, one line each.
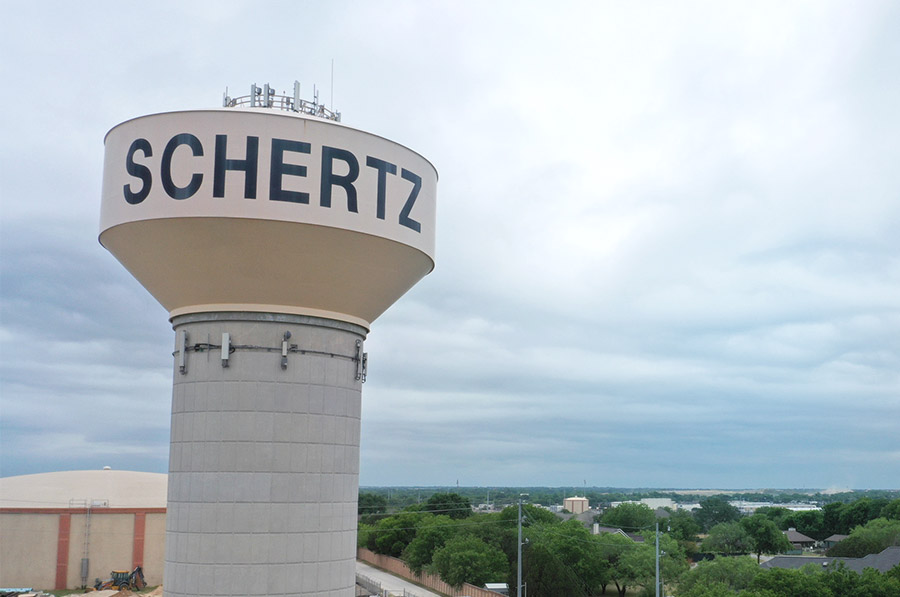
(64,529)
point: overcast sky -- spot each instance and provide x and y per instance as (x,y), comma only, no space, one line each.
(668,247)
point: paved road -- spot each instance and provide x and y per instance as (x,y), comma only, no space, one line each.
(391,582)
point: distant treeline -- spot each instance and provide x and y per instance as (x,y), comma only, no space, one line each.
(439,532)
(397,498)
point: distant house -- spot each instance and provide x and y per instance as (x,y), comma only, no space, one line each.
(799,540)
(833,540)
(882,562)
(585,518)
(599,530)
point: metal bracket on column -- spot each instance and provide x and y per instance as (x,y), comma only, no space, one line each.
(180,349)
(284,349)
(226,348)
(362,362)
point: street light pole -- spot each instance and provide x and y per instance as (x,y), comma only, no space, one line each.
(519,566)
(519,561)
(657,559)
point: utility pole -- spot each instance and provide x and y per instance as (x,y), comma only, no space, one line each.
(657,559)
(519,567)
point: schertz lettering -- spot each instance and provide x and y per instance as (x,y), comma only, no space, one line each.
(141,149)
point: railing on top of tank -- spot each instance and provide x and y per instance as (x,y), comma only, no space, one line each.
(265,97)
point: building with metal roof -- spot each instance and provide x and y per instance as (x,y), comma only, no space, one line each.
(64,529)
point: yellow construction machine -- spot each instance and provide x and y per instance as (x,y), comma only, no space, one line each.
(123,579)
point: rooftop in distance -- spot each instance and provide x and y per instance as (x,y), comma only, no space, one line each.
(95,488)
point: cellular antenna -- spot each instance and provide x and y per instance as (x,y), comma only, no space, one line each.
(265,97)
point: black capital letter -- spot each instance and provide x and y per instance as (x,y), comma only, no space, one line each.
(383,168)
(248,166)
(176,192)
(405,220)
(329,178)
(279,169)
(139,171)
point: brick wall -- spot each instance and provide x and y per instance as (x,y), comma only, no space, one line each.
(431,581)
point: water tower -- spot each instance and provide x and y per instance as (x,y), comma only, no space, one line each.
(274,235)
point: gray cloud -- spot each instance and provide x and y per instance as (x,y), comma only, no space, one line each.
(667,248)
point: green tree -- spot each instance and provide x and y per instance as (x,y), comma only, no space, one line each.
(872,537)
(713,589)
(891,510)
(808,522)
(840,580)
(874,584)
(779,582)
(780,516)
(613,550)
(505,534)
(362,534)
(432,532)
(728,538)
(491,528)
(530,515)
(546,575)
(734,574)
(452,504)
(629,517)
(638,566)
(573,545)
(765,535)
(861,511)
(370,506)
(682,526)
(831,519)
(391,535)
(494,530)
(894,572)
(715,510)
(758,593)
(371,503)
(469,559)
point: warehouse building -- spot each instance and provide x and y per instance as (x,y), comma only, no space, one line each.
(65,529)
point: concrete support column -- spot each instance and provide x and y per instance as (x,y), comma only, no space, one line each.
(62,550)
(137,547)
(264,459)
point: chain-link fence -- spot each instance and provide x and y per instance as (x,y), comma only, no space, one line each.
(372,587)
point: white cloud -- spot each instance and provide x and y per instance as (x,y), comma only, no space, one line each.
(667,249)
